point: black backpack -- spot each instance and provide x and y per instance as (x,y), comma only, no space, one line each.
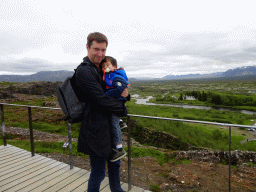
(68,94)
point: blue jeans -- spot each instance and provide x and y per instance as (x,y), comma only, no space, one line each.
(116,130)
(98,174)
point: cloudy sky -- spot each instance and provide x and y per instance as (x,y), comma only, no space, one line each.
(148,38)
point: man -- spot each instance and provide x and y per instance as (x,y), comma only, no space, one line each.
(94,137)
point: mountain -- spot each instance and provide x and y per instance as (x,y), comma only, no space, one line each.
(39,76)
(247,71)
(189,76)
(240,71)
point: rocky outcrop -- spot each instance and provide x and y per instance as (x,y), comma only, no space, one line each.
(237,157)
(158,138)
(45,88)
(5,95)
(54,104)
(162,140)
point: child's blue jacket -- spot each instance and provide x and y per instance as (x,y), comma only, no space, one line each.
(116,81)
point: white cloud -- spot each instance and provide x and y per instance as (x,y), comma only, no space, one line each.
(146,37)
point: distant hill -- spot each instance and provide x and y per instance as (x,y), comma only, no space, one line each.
(39,76)
(189,76)
(244,72)
(240,71)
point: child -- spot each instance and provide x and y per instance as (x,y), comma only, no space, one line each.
(116,81)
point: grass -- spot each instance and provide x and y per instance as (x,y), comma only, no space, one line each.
(196,134)
(231,117)
(155,188)
(199,135)
(45,147)
(139,152)
(18,117)
(56,147)
(162,158)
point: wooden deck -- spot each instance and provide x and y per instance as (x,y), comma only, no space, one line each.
(21,172)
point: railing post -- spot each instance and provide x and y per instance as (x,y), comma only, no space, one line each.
(229,180)
(31,132)
(70,146)
(3,125)
(129,154)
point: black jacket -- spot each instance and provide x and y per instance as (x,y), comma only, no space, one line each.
(95,133)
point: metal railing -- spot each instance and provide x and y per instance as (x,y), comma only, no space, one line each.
(128,136)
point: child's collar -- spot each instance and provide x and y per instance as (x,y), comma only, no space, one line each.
(121,68)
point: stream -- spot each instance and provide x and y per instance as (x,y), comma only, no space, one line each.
(145,102)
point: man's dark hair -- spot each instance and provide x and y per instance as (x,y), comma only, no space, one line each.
(110,59)
(96,36)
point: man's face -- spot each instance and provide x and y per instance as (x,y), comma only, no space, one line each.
(109,65)
(96,52)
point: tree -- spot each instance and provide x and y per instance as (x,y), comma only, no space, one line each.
(199,96)
(181,97)
(204,96)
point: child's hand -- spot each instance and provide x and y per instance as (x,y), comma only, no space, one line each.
(125,93)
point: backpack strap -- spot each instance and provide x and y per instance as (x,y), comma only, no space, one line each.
(76,88)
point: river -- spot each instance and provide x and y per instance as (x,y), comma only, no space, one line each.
(145,102)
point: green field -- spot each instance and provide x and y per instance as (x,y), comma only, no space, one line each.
(199,135)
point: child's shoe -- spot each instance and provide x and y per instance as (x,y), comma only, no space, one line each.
(118,154)
(123,125)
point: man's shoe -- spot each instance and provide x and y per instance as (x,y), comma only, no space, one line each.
(118,154)
(123,125)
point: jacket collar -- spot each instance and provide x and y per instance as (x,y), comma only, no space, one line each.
(88,62)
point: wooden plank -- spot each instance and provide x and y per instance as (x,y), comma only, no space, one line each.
(80,181)
(67,181)
(125,186)
(84,186)
(15,156)
(12,160)
(17,162)
(10,153)
(4,147)
(10,146)
(104,183)
(20,166)
(23,186)
(37,184)
(106,189)
(13,153)
(34,172)
(56,180)
(136,189)
(22,173)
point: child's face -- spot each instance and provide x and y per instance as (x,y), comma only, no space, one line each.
(109,65)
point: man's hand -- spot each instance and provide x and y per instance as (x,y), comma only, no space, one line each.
(125,93)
